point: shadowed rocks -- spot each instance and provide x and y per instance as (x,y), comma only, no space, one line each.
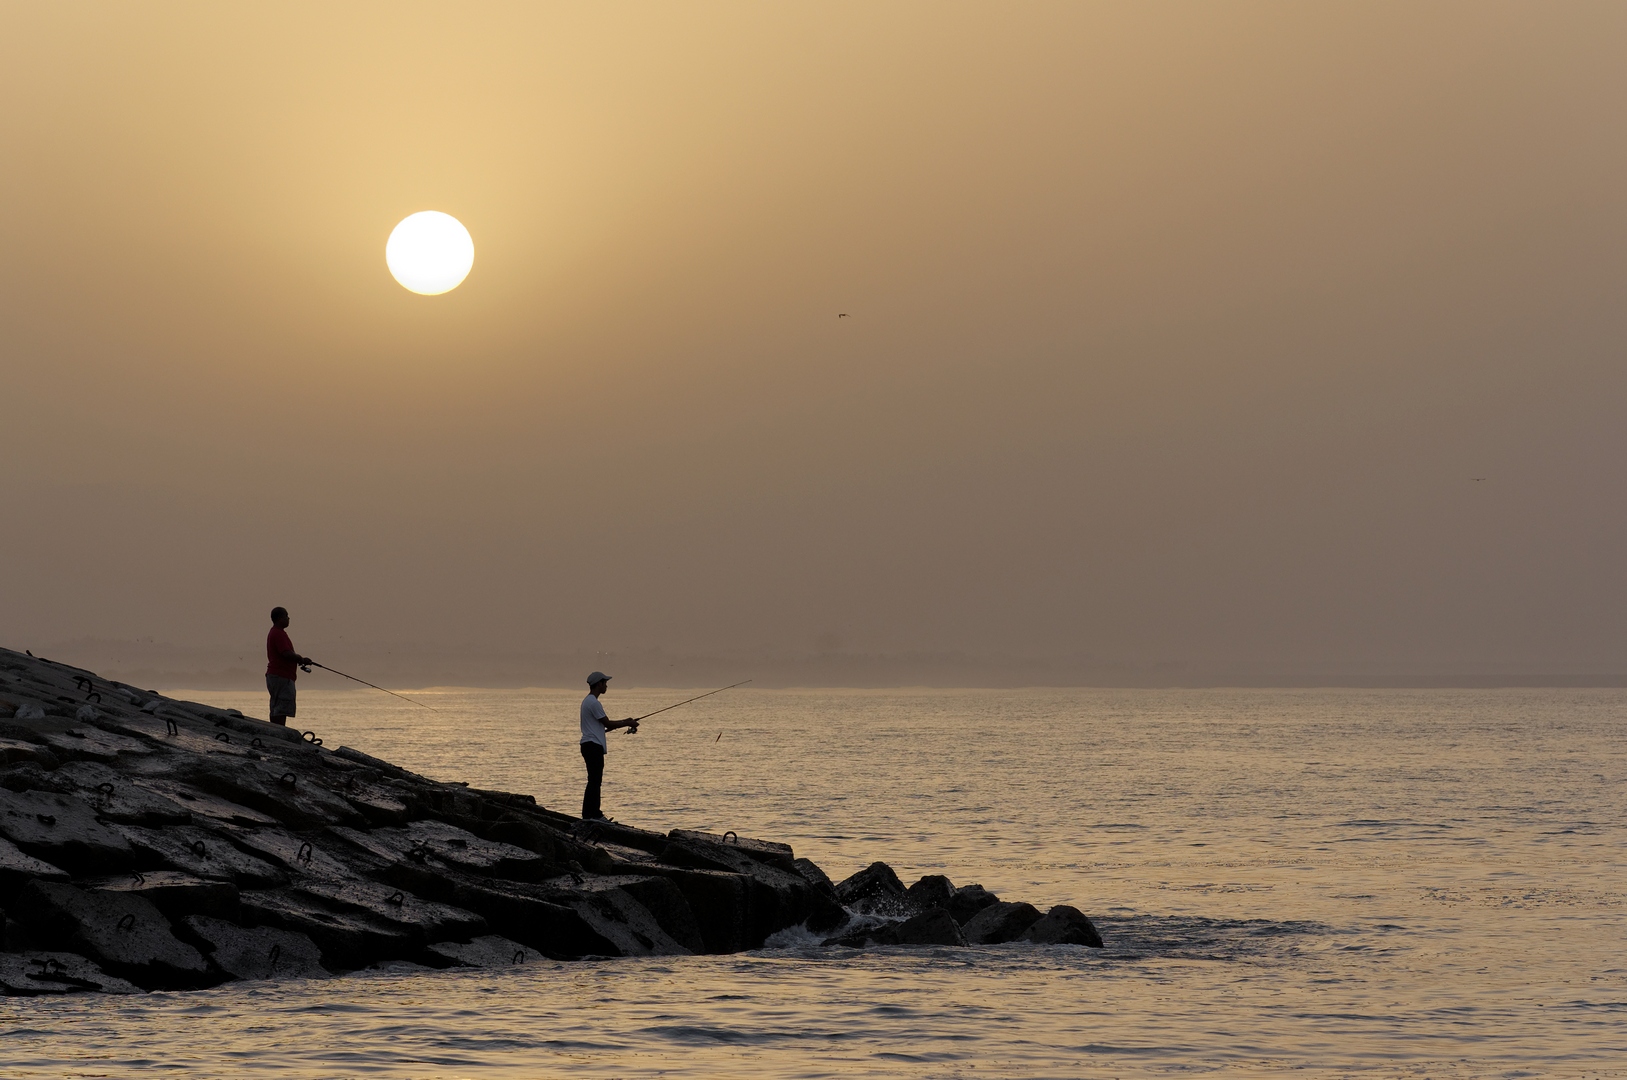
(149,843)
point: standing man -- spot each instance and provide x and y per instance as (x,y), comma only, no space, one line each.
(594,746)
(282,667)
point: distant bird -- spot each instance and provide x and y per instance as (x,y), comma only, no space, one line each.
(842,315)
(1477,479)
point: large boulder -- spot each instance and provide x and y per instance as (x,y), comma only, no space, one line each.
(999,923)
(768,851)
(875,890)
(435,843)
(778,898)
(62,830)
(204,853)
(934,927)
(124,933)
(309,856)
(813,875)
(114,797)
(260,952)
(174,893)
(287,794)
(614,915)
(514,909)
(204,807)
(719,901)
(39,974)
(1064,925)
(932,891)
(18,868)
(348,939)
(487,951)
(968,900)
(421,920)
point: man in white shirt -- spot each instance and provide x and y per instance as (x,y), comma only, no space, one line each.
(594,746)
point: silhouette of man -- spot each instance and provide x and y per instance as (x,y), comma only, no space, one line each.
(282,667)
(594,746)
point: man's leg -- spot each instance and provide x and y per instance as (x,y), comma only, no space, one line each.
(282,699)
(593,755)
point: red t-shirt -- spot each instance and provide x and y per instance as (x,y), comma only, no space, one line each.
(277,643)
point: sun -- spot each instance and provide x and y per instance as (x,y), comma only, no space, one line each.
(430,252)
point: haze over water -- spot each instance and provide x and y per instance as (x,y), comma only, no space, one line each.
(1323,883)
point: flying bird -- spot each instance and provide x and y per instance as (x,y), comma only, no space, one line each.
(1477,479)
(842,315)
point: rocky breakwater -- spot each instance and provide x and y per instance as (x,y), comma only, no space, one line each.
(151,843)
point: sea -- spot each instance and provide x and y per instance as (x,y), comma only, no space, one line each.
(1311,883)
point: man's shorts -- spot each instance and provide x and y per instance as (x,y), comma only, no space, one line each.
(282,697)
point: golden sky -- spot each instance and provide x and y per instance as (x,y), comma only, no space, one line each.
(1178,332)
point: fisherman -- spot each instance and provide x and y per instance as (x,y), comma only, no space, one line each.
(594,725)
(282,667)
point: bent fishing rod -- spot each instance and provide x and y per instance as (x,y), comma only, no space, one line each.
(375,686)
(685,701)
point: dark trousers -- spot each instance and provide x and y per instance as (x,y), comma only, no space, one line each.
(593,754)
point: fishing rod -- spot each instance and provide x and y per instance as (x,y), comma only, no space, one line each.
(686,701)
(375,686)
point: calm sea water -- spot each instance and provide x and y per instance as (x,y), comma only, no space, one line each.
(1325,883)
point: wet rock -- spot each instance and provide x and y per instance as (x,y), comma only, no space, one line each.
(768,851)
(868,932)
(348,939)
(1000,922)
(18,868)
(62,830)
(1064,925)
(875,890)
(487,951)
(816,877)
(776,898)
(518,910)
(718,901)
(935,927)
(204,853)
(262,952)
(968,900)
(437,843)
(174,893)
(613,914)
(932,891)
(421,920)
(39,974)
(125,934)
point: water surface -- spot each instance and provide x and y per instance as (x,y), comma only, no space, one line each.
(1328,883)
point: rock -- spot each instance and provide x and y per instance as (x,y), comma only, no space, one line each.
(204,853)
(434,843)
(935,927)
(87,743)
(421,920)
(174,893)
(1064,925)
(284,794)
(932,891)
(62,830)
(114,797)
(18,869)
(870,932)
(484,952)
(38,974)
(259,953)
(718,900)
(816,877)
(776,898)
(875,890)
(36,775)
(310,857)
(774,854)
(29,711)
(348,939)
(1000,922)
(968,900)
(203,806)
(614,915)
(662,897)
(17,751)
(125,934)
(518,910)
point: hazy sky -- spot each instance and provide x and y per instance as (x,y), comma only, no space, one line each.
(1179,332)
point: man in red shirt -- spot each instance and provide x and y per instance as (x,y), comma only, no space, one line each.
(282,667)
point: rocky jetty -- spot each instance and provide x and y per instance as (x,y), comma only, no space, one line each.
(150,843)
